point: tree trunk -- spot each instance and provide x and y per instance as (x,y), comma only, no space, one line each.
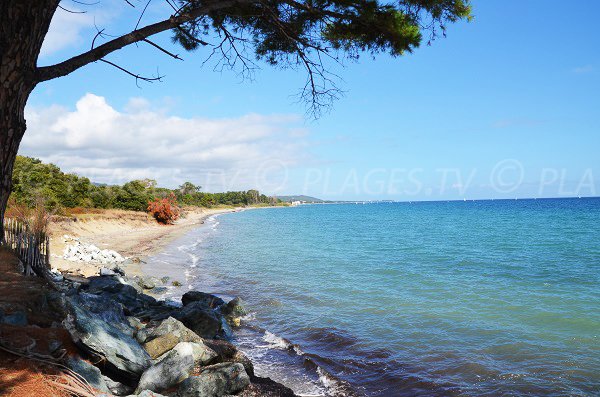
(23,26)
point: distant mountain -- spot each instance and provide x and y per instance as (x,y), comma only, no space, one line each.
(301,197)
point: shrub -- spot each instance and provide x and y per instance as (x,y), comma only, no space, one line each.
(164,210)
(36,218)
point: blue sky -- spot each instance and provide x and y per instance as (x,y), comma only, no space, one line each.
(505,106)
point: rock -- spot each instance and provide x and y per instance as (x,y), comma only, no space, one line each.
(116,388)
(118,290)
(170,325)
(106,272)
(104,308)
(159,346)
(215,381)
(117,269)
(78,251)
(233,308)
(200,319)
(89,372)
(227,352)
(158,338)
(208,300)
(148,282)
(175,366)
(266,387)
(18,319)
(54,346)
(147,393)
(135,323)
(107,341)
(233,311)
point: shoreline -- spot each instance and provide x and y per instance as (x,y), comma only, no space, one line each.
(112,310)
(182,259)
(134,235)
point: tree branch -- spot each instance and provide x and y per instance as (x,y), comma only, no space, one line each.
(64,68)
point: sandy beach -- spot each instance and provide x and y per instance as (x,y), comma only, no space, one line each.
(134,235)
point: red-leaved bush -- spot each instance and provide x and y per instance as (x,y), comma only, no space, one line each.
(164,210)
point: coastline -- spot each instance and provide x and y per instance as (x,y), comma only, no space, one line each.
(115,297)
(134,235)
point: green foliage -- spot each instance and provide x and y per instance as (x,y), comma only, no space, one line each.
(33,179)
(305,34)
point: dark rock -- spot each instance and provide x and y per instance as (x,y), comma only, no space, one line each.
(104,308)
(54,346)
(118,290)
(207,300)
(107,341)
(215,381)
(200,319)
(233,308)
(57,302)
(266,387)
(175,366)
(159,290)
(18,319)
(118,270)
(233,311)
(227,352)
(89,372)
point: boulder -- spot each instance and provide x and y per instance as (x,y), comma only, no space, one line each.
(228,352)
(103,308)
(216,381)
(117,289)
(89,372)
(208,300)
(233,308)
(106,341)
(159,346)
(233,311)
(200,319)
(266,387)
(175,366)
(155,329)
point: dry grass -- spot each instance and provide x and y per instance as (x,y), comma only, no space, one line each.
(37,218)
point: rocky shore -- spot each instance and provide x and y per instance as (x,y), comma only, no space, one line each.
(129,343)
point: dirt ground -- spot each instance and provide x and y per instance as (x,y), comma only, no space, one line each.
(19,376)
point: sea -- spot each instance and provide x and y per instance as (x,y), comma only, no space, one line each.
(460,298)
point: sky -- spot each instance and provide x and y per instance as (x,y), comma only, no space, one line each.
(505,106)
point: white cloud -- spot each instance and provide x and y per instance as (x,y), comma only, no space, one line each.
(65,31)
(112,146)
(76,29)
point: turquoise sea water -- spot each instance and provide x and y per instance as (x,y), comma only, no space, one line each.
(482,298)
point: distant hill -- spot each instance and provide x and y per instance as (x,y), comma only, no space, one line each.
(301,197)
